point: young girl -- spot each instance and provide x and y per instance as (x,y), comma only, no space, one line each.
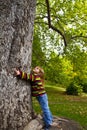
(37,81)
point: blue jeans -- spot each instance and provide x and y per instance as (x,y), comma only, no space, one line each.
(47,116)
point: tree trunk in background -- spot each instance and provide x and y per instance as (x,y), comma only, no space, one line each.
(16,34)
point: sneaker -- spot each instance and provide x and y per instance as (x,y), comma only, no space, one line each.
(47,128)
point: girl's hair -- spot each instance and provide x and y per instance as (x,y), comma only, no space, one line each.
(41,73)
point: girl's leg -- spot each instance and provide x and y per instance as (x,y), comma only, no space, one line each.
(47,116)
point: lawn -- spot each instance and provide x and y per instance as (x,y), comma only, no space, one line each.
(62,105)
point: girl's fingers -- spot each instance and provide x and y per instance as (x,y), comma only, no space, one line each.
(16,71)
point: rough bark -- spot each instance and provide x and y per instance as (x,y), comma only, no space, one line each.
(16,34)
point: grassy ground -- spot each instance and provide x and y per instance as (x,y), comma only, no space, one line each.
(62,105)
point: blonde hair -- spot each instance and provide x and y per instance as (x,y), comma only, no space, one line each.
(41,73)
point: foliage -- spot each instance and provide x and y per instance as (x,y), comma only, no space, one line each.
(38,57)
(58,70)
(74,89)
(61,64)
(66,17)
(85,87)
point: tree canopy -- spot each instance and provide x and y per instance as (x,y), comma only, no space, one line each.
(60,39)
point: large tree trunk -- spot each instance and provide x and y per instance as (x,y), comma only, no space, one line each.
(16,34)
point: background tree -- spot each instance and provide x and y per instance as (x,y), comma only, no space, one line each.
(61,29)
(16,34)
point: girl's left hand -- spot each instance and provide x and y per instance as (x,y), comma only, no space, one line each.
(17,71)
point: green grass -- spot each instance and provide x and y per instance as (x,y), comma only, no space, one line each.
(62,105)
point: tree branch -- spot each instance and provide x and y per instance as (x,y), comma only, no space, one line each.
(51,26)
(73,37)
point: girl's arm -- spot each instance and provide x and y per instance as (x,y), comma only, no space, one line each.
(24,75)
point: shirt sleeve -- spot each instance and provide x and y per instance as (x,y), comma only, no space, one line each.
(26,76)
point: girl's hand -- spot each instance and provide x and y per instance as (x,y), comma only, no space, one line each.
(17,71)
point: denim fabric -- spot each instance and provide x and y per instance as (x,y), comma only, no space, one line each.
(47,116)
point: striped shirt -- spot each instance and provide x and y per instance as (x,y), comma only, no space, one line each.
(36,83)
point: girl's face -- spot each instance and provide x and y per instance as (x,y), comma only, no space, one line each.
(36,70)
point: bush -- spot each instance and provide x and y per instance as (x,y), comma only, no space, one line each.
(74,89)
(85,88)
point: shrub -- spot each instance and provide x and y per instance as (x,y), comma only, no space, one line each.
(85,88)
(74,89)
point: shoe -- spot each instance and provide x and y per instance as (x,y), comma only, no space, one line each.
(54,124)
(47,128)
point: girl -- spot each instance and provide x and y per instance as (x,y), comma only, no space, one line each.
(37,81)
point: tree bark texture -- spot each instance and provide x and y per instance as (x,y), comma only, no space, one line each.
(16,34)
